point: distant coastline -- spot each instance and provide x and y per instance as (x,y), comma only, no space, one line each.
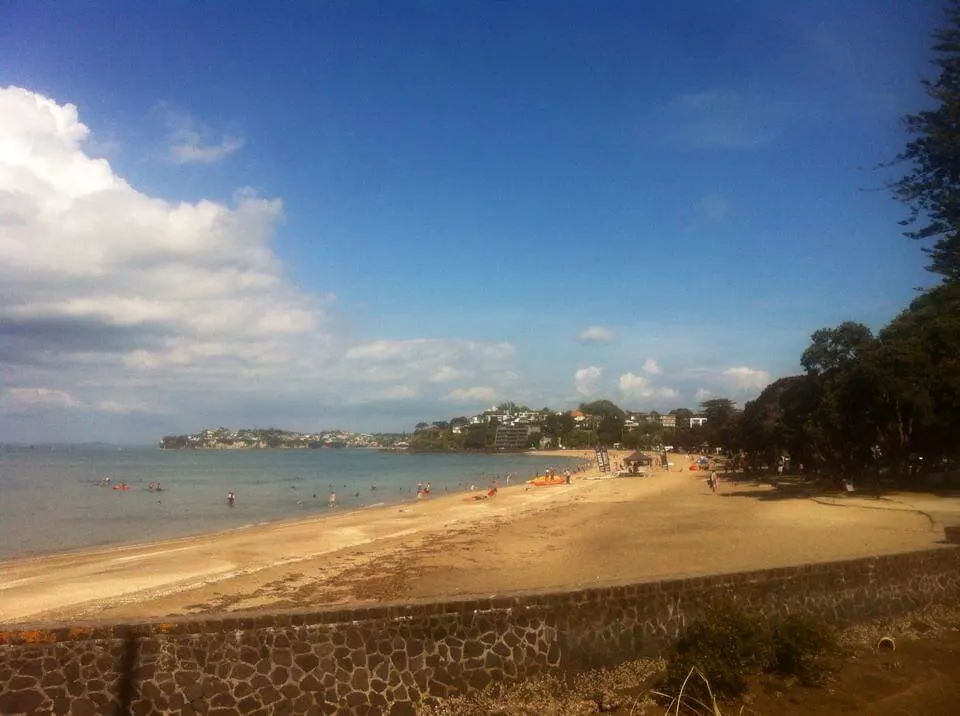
(274,439)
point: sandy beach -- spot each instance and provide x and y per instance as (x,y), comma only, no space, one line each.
(596,530)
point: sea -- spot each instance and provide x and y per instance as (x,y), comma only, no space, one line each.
(51,500)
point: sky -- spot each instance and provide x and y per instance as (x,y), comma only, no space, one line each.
(311,215)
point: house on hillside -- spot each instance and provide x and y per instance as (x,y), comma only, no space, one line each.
(698,421)
(668,421)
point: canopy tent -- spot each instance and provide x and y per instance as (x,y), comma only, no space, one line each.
(638,458)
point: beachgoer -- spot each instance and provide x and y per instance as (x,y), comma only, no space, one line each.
(713,481)
(426,489)
(332,501)
(231,499)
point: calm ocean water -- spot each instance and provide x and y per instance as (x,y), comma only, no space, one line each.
(50,502)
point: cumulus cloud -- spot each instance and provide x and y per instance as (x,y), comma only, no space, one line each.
(585,380)
(192,143)
(651,367)
(746,378)
(477,394)
(638,387)
(116,302)
(597,334)
(702,394)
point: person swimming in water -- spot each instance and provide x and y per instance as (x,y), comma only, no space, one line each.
(231,498)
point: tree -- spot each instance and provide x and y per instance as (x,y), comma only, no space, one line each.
(475,438)
(832,348)
(610,430)
(931,189)
(602,409)
(420,426)
(459,422)
(559,427)
(580,439)
(780,419)
(723,423)
(683,416)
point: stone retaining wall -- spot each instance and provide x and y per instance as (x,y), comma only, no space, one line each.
(386,659)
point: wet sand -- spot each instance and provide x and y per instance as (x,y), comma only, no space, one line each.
(594,531)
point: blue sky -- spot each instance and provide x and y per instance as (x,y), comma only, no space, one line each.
(432,206)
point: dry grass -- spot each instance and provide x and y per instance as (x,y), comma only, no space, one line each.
(624,686)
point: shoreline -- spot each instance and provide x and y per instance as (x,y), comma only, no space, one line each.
(589,533)
(196,561)
(318,512)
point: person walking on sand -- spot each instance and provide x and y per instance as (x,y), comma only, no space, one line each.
(332,502)
(714,482)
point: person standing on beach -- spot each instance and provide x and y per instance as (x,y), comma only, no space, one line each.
(333,501)
(714,481)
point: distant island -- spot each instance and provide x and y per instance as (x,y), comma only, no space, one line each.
(272,438)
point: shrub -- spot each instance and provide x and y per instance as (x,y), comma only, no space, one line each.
(804,648)
(726,645)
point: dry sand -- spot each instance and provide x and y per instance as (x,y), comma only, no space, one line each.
(594,531)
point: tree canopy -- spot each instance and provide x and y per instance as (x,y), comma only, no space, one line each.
(602,409)
(931,187)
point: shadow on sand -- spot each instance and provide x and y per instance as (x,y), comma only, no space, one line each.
(797,487)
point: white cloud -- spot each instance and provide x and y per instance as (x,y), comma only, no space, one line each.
(702,394)
(636,386)
(190,141)
(127,303)
(651,367)
(112,406)
(746,378)
(585,380)
(723,119)
(22,400)
(446,373)
(477,394)
(597,334)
